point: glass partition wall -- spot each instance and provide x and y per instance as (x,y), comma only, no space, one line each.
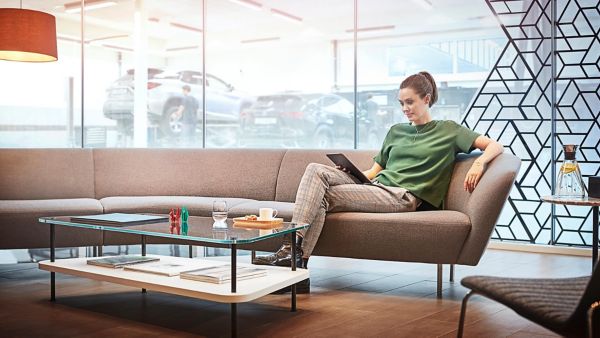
(279,74)
(317,74)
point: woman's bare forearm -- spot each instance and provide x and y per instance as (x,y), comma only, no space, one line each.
(371,173)
(491,150)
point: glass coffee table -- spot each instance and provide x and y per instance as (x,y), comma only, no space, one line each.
(199,231)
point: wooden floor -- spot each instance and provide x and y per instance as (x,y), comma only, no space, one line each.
(349,298)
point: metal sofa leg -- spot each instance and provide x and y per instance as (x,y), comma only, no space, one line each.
(590,318)
(463,313)
(439,280)
(452,273)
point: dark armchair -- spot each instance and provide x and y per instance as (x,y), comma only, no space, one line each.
(563,305)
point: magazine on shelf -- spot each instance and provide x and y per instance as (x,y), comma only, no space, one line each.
(120,261)
(160,268)
(222,274)
(119,219)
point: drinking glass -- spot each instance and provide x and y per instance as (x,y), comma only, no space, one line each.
(219,214)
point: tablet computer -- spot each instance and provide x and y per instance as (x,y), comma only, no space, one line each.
(343,161)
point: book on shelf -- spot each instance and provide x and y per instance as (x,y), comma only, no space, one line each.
(160,268)
(222,274)
(119,219)
(120,261)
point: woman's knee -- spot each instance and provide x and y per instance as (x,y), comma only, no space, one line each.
(317,168)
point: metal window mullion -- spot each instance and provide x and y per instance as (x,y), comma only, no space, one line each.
(355,38)
(553,27)
(82,42)
(204,5)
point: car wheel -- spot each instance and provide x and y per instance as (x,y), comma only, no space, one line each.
(170,126)
(323,138)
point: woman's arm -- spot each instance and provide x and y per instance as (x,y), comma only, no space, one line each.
(490,149)
(371,173)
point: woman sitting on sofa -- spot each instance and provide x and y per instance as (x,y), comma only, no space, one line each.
(411,172)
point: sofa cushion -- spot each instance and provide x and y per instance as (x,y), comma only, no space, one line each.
(295,162)
(425,236)
(240,173)
(284,209)
(19,226)
(46,174)
(197,206)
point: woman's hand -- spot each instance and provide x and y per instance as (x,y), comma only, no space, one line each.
(473,176)
(490,149)
(339,167)
(371,173)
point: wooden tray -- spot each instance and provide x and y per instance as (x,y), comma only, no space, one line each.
(241,222)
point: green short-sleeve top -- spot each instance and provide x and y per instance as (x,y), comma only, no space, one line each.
(421,158)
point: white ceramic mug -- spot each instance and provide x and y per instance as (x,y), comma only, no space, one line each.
(267,214)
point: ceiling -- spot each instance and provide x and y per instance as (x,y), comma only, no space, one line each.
(176,25)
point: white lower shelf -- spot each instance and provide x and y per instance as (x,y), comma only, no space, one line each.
(247,289)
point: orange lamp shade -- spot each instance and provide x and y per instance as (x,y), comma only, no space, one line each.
(27,35)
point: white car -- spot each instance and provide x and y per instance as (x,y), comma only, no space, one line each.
(223,102)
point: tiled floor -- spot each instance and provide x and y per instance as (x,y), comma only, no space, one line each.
(349,298)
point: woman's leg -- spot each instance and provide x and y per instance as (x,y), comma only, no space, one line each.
(347,197)
(316,180)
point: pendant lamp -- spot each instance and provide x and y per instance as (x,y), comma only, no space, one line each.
(27,35)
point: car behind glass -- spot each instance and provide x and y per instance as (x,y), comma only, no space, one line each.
(298,120)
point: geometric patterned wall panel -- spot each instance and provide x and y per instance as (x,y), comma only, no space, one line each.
(514,106)
(578,104)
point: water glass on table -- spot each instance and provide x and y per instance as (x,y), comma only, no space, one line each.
(219,214)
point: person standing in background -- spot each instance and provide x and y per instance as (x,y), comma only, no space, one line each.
(188,113)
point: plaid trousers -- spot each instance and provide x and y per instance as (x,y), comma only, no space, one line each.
(326,189)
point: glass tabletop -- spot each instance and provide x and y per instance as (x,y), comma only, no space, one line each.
(198,229)
(584,201)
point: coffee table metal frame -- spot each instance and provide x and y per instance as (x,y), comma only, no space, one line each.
(232,244)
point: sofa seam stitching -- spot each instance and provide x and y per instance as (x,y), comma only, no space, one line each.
(278,171)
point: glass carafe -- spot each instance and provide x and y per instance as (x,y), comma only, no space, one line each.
(569,182)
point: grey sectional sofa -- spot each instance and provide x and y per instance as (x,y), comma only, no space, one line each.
(47,182)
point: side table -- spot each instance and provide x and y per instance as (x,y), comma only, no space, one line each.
(582,201)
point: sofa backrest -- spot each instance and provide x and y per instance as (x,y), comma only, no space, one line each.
(457,198)
(46,174)
(295,162)
(244,173)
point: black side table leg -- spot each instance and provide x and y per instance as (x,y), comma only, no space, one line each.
(52,258)
(190,251)
(594,236)
(143,252)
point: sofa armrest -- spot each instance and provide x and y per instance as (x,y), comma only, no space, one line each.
(485,203)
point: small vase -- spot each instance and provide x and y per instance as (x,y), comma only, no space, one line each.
(569,183)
